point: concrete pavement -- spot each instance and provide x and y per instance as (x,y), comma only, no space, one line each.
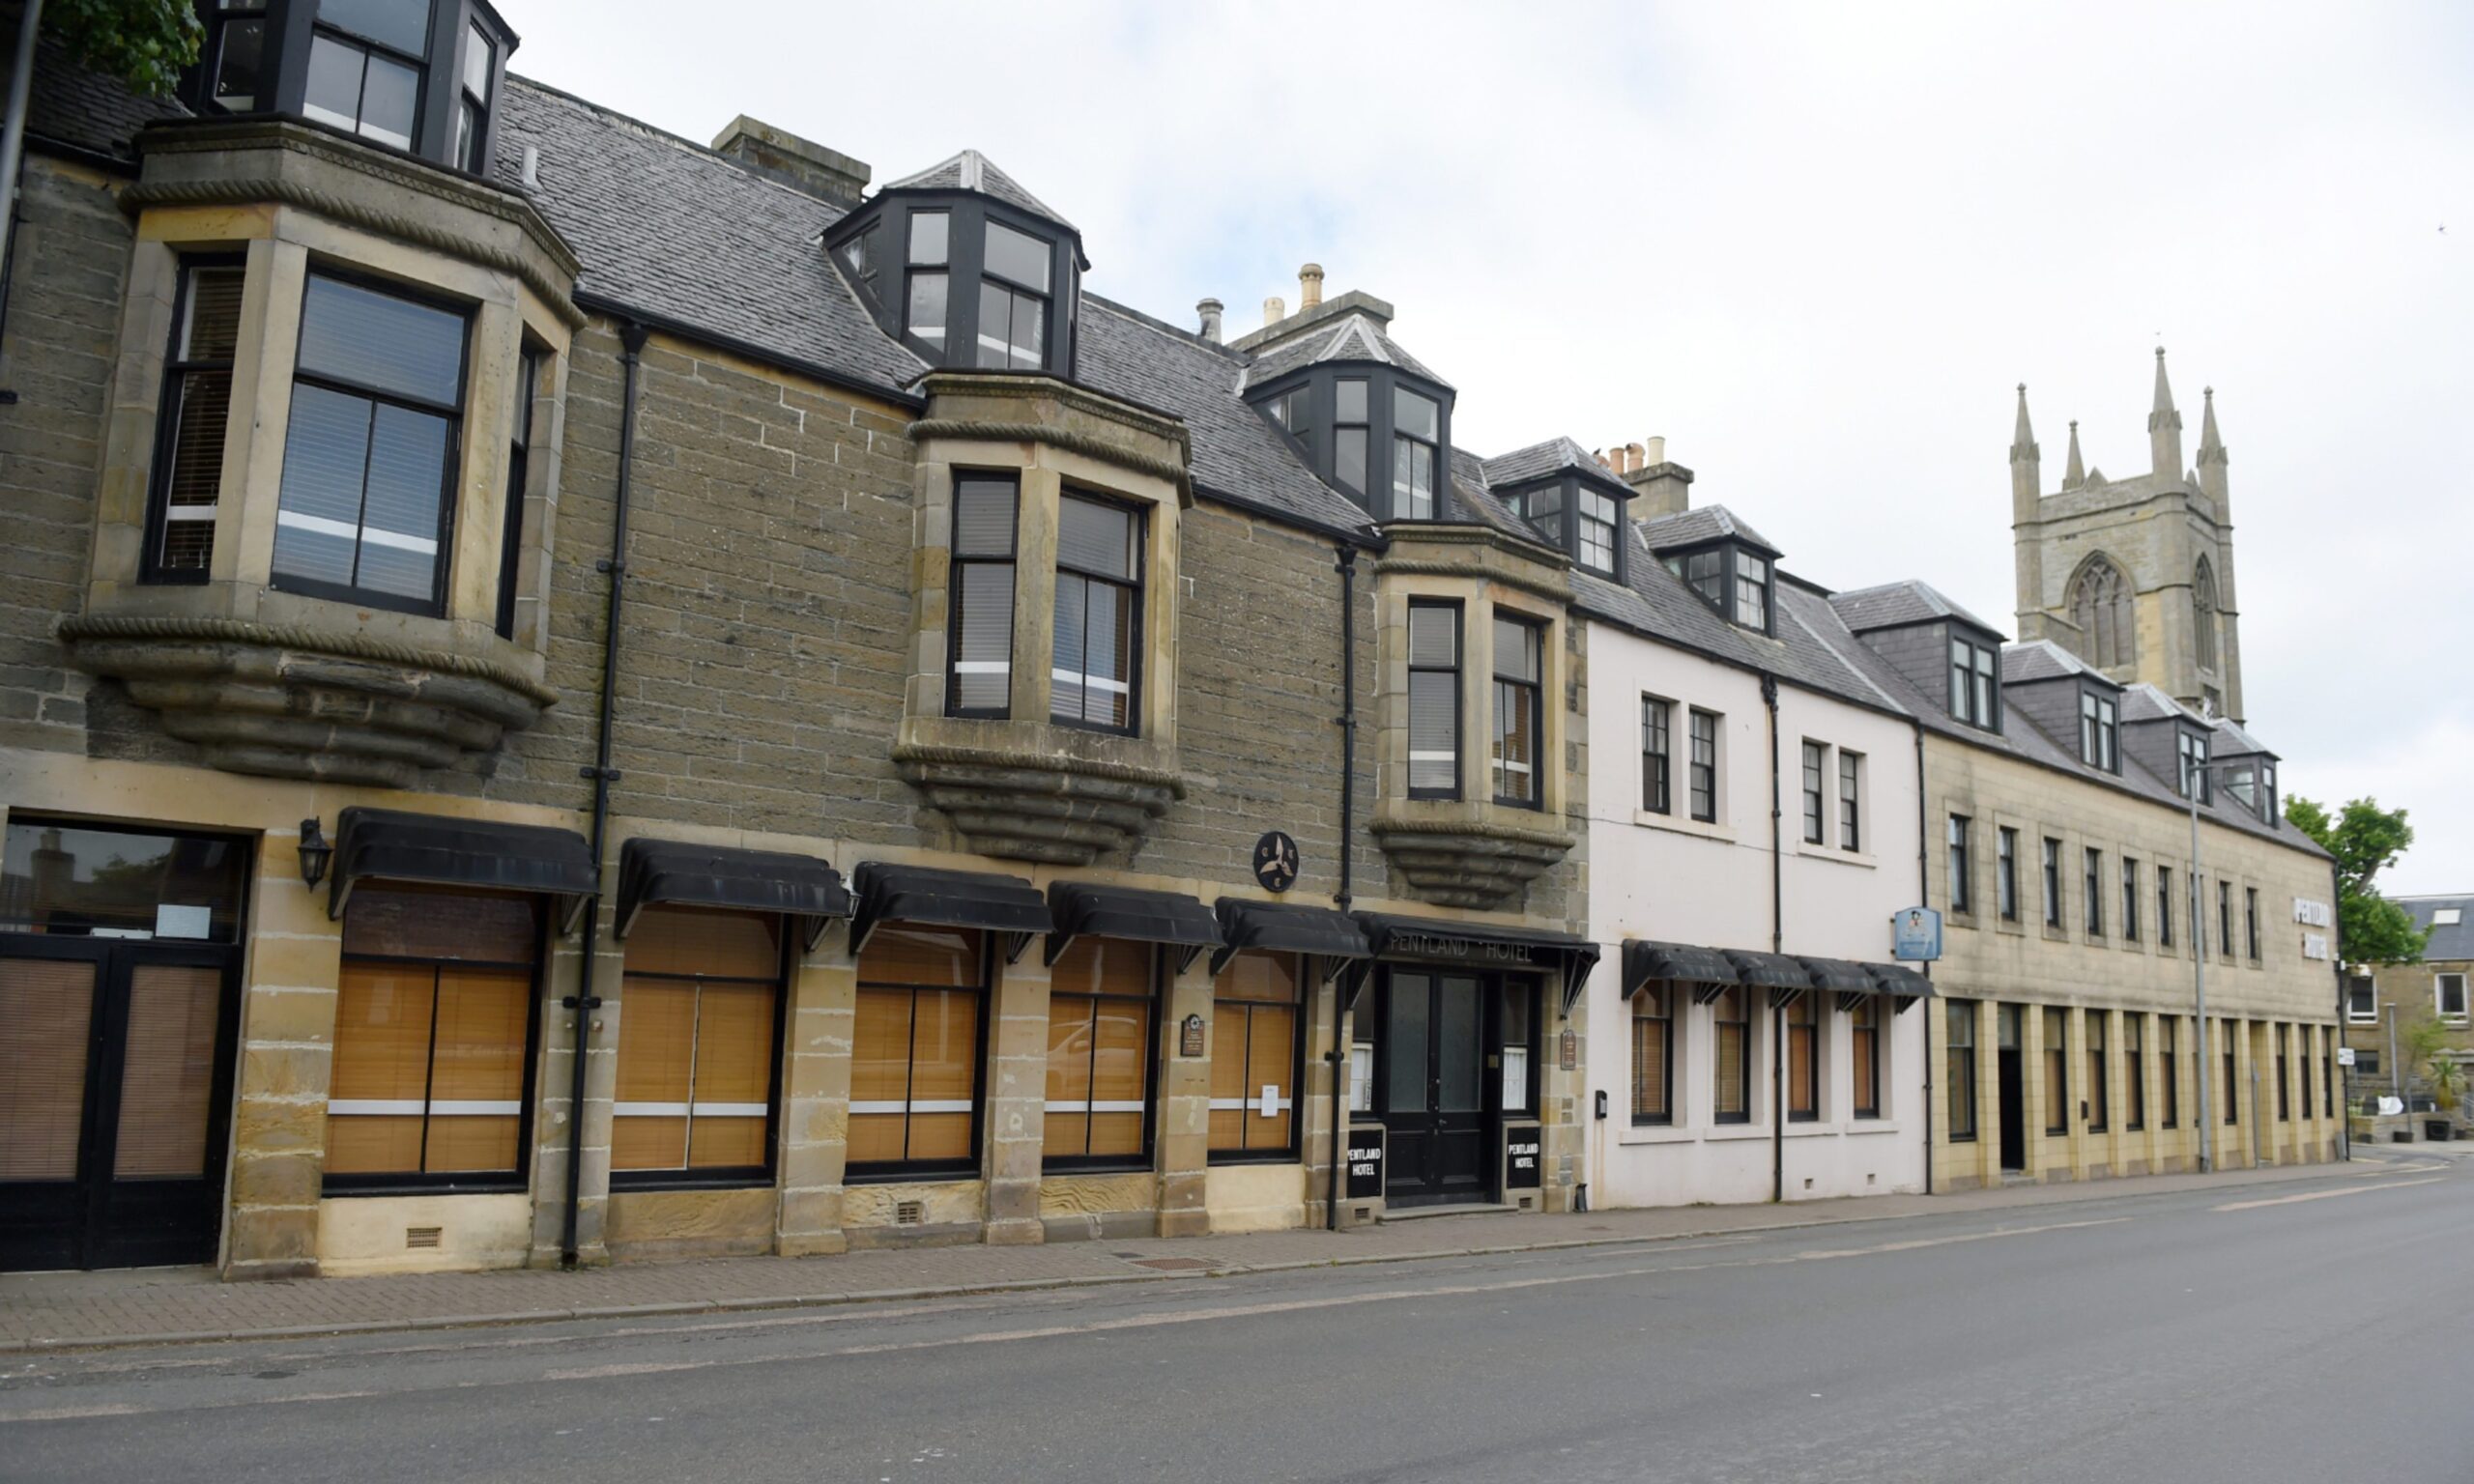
(42,1311)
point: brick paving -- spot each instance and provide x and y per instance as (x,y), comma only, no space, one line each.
(42,1311)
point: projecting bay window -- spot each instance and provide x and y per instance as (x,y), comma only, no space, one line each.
(1653,1055)
(980,674)
(1101,996)
(369,461)
(366,63)
(1704,776)
(915,1053)
(1014,300)
(1816,764)
(1520,668)
(1255,1051)
(927,255)
(434,1028)
(1803,1060)
(1657,755)
(1094,674)
(699,1030)
(1731,1055)
(1864,1061)
(1961,1075)
(196,408)
(1416,427)
(1435,701)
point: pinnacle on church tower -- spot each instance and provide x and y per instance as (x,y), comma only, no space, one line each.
(2164,428)
(2026,479)
(2075,474)
(2211,470)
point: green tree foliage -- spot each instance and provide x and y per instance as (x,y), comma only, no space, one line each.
(145,44)
(2427,1056)
(2366,839)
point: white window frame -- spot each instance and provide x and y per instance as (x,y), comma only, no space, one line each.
(2439,997)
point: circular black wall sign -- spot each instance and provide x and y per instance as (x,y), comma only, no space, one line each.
(1276,861)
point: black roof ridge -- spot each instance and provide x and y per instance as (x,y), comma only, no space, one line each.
(681,141)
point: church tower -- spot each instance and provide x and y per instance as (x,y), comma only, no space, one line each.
(2135,576)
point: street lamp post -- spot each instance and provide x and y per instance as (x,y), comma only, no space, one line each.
(2194,775)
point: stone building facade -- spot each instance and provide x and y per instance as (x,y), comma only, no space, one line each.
(500,585)
(2384,1001)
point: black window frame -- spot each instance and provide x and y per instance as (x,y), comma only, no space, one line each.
(321,29)
(860,1172)
(220,24)
(1162,974)
(2224,918)
(1751,1019)
(469,144)
(2095,888)
(955,588)
(1815,763)
(1976,699)
(1403,441)
(1959,846)
(2057,1056)
(1807,1029)
(2251,923)
(1718,572)
(1751,598)
(2191,762)
(1701,778)
(519,472)
(2284,1034)
(1586,524)
(2130,898)
(2167,1055)
(914,268)
(1663,1115)
(2006,872)
(2049,874)
(1015,290)
(1961,1071)
(2233,1075)
(737,1175)
(2135,1070)
(1362,425)
(1460,694)
(2164,906)
(1137,587)
(1850,805)
(453,463)
(2100,728)
(169,405)
(1657,754)
(1528,694)
(1300,1010)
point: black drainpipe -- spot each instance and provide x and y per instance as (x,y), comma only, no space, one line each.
(1346,566)
(1777,945)
(584,1001)
(1923,894)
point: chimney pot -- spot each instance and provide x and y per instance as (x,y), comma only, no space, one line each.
(1658,487)
(1655,453)
(1275,310)
(1633,457)
(1209,311)
(1309,286)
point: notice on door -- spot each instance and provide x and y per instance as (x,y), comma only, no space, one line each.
(1520,1156)
(1365,1163)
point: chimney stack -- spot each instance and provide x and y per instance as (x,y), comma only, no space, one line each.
(802,164)
(1274,311)
(1658,487)
(1208,311)
(1309,286)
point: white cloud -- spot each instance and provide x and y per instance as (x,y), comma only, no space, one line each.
(1813,246)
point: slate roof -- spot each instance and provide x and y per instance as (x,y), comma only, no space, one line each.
(2231,741)
(1892,604)
(1350,337)
(84,111)
(2450,942)
(2144,701)
(2041,659)
(1540,460)
(1701,523)
(680,233)
(972,171)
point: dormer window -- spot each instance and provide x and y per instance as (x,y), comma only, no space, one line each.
(365,62)
(1415,422)
(473,119)
(1601,517)
(1975,682)
(1013,301)
(931,253)
(1705,572)
(1752,591)
(1734,578)
(2192,772)
(233,56)
(1348,433)
(2100,731)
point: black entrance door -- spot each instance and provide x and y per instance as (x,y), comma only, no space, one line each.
(2013,1091)
(116,1060)
(1434,1090)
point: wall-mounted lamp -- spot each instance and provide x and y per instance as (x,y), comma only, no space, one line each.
(315,852)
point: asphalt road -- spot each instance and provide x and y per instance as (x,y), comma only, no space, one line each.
(2302,1330)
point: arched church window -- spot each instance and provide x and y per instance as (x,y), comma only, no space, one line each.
(2203,614)
(2100,607)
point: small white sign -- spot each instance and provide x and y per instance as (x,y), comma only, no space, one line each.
(2311,914)
(171,922)
(2344,1056)
(2315,944)
(1269,1105)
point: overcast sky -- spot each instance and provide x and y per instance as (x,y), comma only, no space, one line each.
(1814,246)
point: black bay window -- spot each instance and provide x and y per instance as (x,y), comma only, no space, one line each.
(1520,669)
(1350,433)
(1733,577)
(1345,413)
(233,58)
(1013,301)
(1415,436)
(369,460)
(1099,615)
(1435,701)
(197,402)
(366,65)
(473,112)
(930,252)
(982,283)
(979,639)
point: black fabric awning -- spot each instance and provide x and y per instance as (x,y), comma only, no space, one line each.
(1777,973)
(655,872)
(391,845)
(1482,945)
(1644,960)
(1084,909)
(1334,937)
(1006,906)
(1837,976)
(1902,983)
